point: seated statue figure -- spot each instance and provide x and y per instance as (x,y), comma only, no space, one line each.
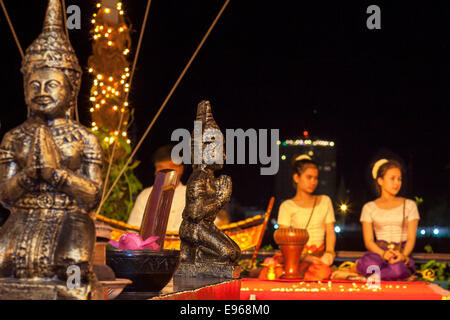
(50,178)
(201,240)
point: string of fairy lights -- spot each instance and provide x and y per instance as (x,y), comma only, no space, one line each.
(109,91)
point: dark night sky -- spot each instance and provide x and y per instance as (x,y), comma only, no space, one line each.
(292,65)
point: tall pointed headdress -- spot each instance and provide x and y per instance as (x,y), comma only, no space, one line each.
(204,114)
(52,49)
(209,129)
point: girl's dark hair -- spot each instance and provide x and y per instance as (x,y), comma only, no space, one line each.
(299,166)
(382,172)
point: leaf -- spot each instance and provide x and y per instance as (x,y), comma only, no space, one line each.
(428,249)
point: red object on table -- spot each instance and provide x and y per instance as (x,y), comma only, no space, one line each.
(291,242)
(227,290)
(339,290)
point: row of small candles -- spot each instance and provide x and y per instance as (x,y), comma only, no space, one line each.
(328,286)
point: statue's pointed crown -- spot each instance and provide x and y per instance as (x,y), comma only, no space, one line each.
(204,114)
(52,48)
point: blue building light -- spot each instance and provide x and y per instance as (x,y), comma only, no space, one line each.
(337,229)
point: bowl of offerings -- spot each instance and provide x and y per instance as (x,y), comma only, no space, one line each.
(149,268)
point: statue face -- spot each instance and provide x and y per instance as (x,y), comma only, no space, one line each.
(47,92)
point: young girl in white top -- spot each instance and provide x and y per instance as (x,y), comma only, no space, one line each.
(394,221)
(315,214)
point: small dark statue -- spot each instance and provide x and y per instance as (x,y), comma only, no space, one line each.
(206,250)
(50,178)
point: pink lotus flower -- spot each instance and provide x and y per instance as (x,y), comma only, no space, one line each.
(133,241)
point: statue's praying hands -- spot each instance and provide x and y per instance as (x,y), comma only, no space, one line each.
(44,157)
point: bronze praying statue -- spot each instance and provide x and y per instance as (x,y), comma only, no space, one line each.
(50,178)
(202,243)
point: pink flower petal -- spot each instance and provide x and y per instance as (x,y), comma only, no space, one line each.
(114,243)
(150,240)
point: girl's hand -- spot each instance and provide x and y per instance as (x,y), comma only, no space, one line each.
(388,255)
(398,257)
(327,258)
(312,259)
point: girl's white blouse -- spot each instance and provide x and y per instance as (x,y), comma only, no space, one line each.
(387,223)
(290,214)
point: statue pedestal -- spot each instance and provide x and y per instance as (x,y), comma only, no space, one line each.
(208,270)
(24,289)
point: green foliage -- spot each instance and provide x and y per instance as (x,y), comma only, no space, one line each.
(441,269)
(428,249)
(120,202)
(419,200)
(267,247)
(247,267)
